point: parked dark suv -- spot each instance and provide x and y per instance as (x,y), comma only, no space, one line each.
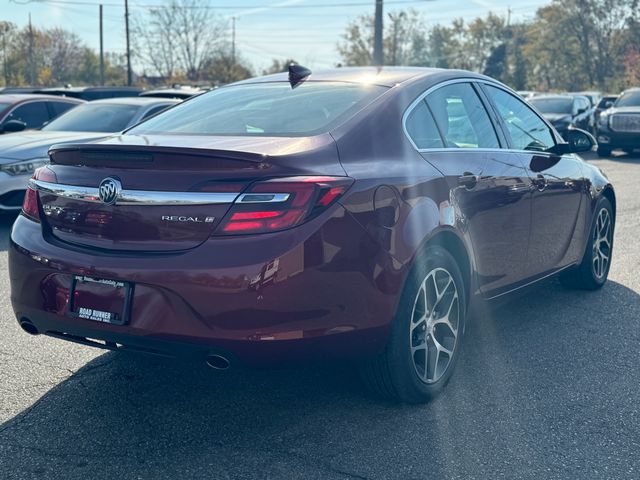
(619,126)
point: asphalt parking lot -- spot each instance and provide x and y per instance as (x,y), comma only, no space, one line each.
(548,387)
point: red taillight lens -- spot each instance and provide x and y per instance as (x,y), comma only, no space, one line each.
(282,203)
(30,207)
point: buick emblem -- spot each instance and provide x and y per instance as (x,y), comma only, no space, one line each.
(109,190)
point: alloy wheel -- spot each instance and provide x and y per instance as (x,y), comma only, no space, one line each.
(602,238)
(433,331)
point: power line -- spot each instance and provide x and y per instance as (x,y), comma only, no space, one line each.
(226,7)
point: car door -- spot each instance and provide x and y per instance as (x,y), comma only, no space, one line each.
(490,195)
(582,118)
(557,184)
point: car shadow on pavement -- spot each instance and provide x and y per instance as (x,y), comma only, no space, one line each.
(6,222)
(538,364)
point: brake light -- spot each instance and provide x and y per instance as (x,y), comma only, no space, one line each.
(30,207)
(281,203)
(45,174)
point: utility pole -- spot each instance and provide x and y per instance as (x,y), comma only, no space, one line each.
(378,58)
(101,50)
(126,26)
(233,40)
(31,63)
(395,19)
(4,55)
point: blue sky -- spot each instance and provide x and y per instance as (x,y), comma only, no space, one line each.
(265,29)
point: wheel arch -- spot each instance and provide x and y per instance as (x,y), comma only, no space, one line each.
(610,195)
(452,243)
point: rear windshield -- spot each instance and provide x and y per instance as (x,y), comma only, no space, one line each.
(264,109)
(94,117)
(629,99)
(553,105)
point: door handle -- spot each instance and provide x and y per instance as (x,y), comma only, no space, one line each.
(539,182)
(468,180)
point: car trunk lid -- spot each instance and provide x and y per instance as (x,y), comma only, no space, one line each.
(166,197)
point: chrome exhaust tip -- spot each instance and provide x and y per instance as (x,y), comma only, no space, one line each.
(28,327)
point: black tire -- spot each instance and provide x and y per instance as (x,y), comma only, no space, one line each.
(585,276)
(604,152)
(393,374)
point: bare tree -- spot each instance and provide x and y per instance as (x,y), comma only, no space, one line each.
(180,36)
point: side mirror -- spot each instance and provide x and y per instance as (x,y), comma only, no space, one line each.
(13,126)
(608,104)
(581,110)
(577,141)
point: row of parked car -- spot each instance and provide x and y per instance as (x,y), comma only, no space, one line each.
(36,120)
(613,119)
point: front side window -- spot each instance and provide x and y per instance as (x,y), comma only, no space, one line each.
(526,129)
(461,117)
(33,114)
(422,128)
(264,109)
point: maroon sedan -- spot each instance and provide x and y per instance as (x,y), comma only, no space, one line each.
(347,213)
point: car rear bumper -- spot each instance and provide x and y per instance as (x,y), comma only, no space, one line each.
(324,288)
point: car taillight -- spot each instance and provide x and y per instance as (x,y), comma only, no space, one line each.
(30,204)
(30,207)
(281,203)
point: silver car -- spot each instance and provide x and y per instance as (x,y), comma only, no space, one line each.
(21,153)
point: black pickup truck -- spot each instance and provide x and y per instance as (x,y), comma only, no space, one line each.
(619,126)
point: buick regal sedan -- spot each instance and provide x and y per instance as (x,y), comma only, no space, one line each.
(354,213)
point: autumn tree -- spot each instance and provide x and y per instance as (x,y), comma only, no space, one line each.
(404,40)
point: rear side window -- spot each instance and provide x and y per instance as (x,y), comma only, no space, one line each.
(264,109)
(422,128)
(461,117)
(526,129)
(154,110)
(34,114)
(60,107)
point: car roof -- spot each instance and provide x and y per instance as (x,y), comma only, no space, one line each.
(19,97)
(140,101)
(90,89)
(386,76)
(556,95)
